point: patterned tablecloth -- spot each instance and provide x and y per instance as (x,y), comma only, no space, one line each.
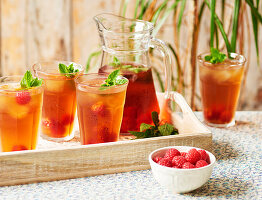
(237,173)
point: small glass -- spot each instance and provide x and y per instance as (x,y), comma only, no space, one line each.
(100,110)
(220,87)
(59,101)
(20,112)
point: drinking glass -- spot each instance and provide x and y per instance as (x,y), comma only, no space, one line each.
(100,109)
(20,112)
(220,87)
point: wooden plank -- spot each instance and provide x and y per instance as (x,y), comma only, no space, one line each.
(12,36)
(48,30)
(89,160)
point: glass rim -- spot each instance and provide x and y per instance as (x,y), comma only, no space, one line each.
(241,60)
(78,81)
(16,76)
(148,30)
(53,73)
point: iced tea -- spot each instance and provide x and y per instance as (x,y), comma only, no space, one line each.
(220,87)
(141,98)
(20,112)
(59,101)
(100,110)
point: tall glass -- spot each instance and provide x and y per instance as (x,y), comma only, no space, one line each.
(100,110)
(59,103)
(20,112)
(220,87)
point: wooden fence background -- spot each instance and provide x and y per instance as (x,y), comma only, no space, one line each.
(33,30)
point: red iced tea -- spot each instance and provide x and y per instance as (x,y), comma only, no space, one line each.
(220,87)
(59,101)
(20,112)
(141,98)
(100,111)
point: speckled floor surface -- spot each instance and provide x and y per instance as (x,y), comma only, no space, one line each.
(237,173)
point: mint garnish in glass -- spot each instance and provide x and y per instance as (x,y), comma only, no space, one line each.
(113,79)
(28,81)
(216,56)
(67,70)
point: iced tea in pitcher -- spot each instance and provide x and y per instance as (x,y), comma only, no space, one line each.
(20,112)
(125,44)
(220,87)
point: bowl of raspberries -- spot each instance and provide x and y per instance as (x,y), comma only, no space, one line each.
(181,169)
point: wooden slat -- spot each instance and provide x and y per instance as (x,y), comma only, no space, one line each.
(89,160)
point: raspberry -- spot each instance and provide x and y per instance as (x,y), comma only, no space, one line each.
(23,98)
(98,108)
(201,163)
(183,154)
(204,156)
(193,156)
(19,148)
(178,161)
(171,153)
(67,119)
(165,162)
(157,159)
(57,128)
(188,165)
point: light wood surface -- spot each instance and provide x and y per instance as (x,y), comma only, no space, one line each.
(50,164)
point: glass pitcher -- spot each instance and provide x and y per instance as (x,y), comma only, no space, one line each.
(125,45)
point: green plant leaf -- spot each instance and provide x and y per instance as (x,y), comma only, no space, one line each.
(166,129)
(67,70)
(155,118)
(212,22)
(216,56)
(235,26)
(145,126)
(112,80)
(91,56)
(254,10)
(221,28)
(136,8)
(138,135)
(28,81)
(255,31)
(180,16)
(158,11)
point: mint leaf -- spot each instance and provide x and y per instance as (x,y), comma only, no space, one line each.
(166,129)
(67,70)
(145,126)
(28,81)
(115,63)
(112,80)
(155,118)
(121,81)
(112,76)
(216,56)
(148,130)
(36,82)
(126,66)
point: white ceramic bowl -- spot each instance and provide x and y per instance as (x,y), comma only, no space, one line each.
(180,180)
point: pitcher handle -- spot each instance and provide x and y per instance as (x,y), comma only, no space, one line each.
(161,46)
(188,123)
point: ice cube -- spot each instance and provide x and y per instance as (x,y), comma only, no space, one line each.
(54,85)
(16,110)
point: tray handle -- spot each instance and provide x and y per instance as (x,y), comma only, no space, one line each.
(188,122)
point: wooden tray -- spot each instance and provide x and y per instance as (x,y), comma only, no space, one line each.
(56,161)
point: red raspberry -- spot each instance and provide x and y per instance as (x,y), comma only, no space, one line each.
(178,161)
(67,119)
(201,163)
(193,156)
(183,154)
(57,128)
(176,167)
(19,148)
(157,159)
(188,165)
(171,153)
(22,98)
(165,162)
(98,108)
(204,156)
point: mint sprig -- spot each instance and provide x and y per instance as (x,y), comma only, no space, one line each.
(216,56)
(67,70)
(113,79)
(28,81)
(156,130)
